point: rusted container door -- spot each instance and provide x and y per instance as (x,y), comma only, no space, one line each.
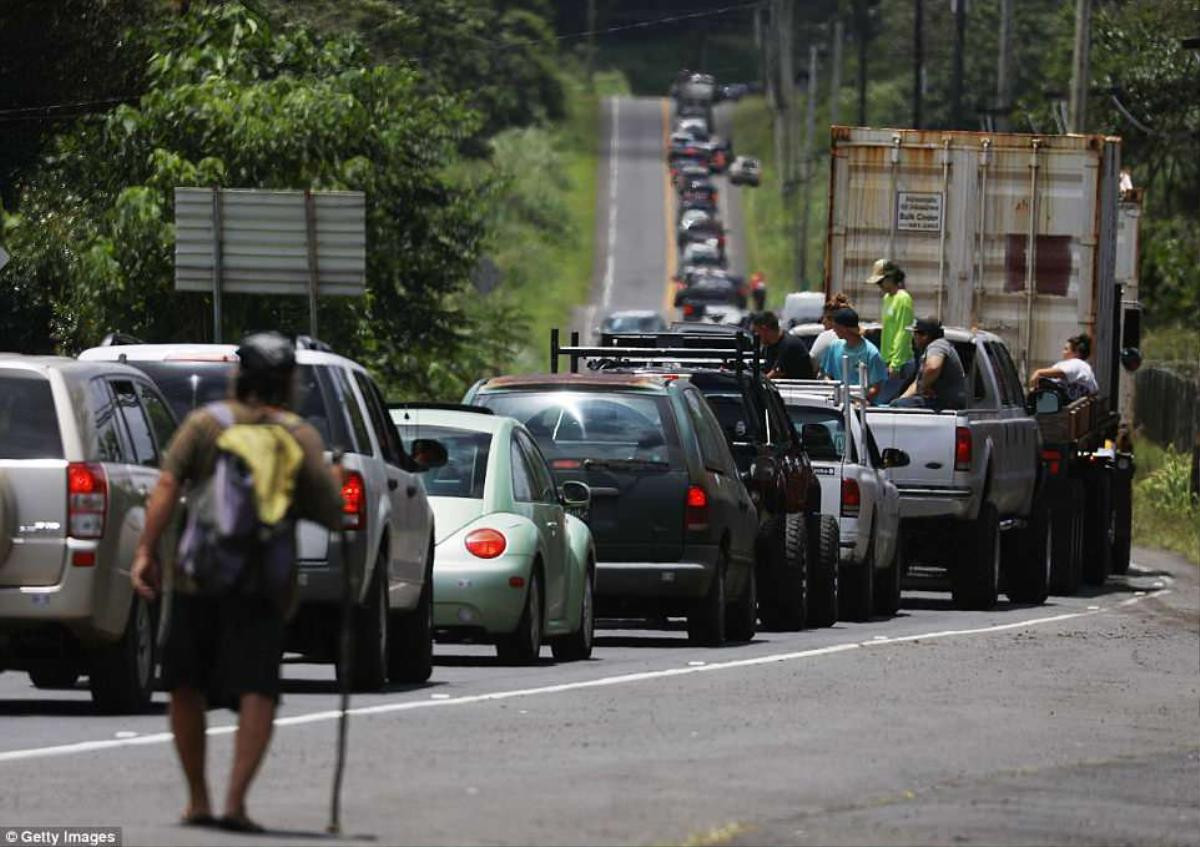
(998,231)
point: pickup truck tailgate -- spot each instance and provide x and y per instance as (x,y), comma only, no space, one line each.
(928,439)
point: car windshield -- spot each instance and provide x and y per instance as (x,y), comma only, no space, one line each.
(594,424)
(188,385)
(632,323)
(465,470)
(823,431)
(28,423)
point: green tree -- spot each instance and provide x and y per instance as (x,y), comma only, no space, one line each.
(232,102)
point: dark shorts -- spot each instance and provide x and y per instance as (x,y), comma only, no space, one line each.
(223,646)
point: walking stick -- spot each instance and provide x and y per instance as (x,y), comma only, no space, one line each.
(345,659)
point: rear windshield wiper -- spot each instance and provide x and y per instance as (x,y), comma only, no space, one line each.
(627,464)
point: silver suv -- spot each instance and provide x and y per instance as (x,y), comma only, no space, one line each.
(388,521)
(79,453)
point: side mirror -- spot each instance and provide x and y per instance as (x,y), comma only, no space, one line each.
(575,494)
(428,454)
(895,458)
(1131,358)
(1044,403)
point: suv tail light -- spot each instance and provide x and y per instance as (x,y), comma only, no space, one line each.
(354,501)
(87,499)
(486,543)
(696,511)
(1053,461)
(688,309)
(851,498)
(962,448)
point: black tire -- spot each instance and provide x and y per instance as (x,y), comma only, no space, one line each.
(1066,569)
(1099,528)
(975,578)
(370,633)
(524,645)
(742,614)
(1029,557)
(823,571)
(54,675)
(1122,506)
(410,644)
(887,588)
(856,593)
(706,620)
(121,676)
(578,645)
(784,558)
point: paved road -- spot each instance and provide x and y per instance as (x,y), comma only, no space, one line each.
(1069,723)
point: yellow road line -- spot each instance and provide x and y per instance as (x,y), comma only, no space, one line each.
(669,214)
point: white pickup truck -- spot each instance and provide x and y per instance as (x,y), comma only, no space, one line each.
(972,476)
(829,418)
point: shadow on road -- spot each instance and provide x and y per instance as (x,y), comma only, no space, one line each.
(64,708)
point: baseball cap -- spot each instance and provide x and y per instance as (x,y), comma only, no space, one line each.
(266,351)
(845,317)
(927,326)
(885,269)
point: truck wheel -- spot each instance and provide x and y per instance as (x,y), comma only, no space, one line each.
(823,572)
(1066,568)
(370,633)
(122,674)
(1027,565)
(706,620)
(742,615)
(786,555)
(974,581)
(1122,500)
(410,636)
(1099,528)
(887,588)
(856,593)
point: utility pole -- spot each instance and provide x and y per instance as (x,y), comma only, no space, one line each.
(1003,80)
(862,30)
(810,128)
(956,82)
(785,130)
(835,73)
(591,49)
(1080,69)
(918,61)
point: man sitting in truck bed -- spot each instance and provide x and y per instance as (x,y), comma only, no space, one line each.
(941,382)
(1073,371)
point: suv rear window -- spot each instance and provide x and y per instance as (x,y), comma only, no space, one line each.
(594,424)
(28,422)
(465,470)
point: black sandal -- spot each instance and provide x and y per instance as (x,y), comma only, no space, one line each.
(203,819)
(240,824)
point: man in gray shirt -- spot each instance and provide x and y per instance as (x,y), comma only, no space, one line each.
(941,382)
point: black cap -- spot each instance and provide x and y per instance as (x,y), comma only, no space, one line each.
(263,352)
(846,317)
(928,326)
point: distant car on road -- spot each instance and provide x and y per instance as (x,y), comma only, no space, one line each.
(745,170)
(707,253)
(510,565)
(392,533)
(80,449)
(632,320)
(673,526)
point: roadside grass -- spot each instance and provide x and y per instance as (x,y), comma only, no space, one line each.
(543,234)
(1164,516)
(1175,347)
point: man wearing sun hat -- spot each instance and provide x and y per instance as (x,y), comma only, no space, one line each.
(895,343)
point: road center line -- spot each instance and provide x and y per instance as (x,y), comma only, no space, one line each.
(622,679)
(613,173)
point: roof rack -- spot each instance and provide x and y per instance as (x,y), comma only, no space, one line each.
(738,350)
(450,407)
(119,339)
(827,389)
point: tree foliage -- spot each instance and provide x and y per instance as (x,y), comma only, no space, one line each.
(233,102)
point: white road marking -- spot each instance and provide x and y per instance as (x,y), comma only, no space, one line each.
(603,682)
(613,172)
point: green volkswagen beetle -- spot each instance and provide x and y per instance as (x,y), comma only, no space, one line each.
(511,565)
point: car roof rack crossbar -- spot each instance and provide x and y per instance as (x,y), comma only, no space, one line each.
(630,349)
(825,388)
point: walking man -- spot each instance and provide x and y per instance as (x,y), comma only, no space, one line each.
(941,382)
(850,342)
(895,343)
(225,648)
(784,355)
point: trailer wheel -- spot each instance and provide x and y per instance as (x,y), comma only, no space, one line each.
(1122,506)
(1066,568)
(1099,528)
(974,580)
(1028,557)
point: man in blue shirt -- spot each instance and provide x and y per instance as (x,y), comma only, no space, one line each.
(850,342)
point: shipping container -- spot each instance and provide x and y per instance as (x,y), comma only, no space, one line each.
(1026,236)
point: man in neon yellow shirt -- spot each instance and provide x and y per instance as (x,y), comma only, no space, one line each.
(895,344)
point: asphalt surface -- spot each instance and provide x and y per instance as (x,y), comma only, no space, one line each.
(1075,722)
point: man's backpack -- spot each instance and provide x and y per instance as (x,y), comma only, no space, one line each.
(240,532)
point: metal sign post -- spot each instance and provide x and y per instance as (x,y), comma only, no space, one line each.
(216,263)
(310,226)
